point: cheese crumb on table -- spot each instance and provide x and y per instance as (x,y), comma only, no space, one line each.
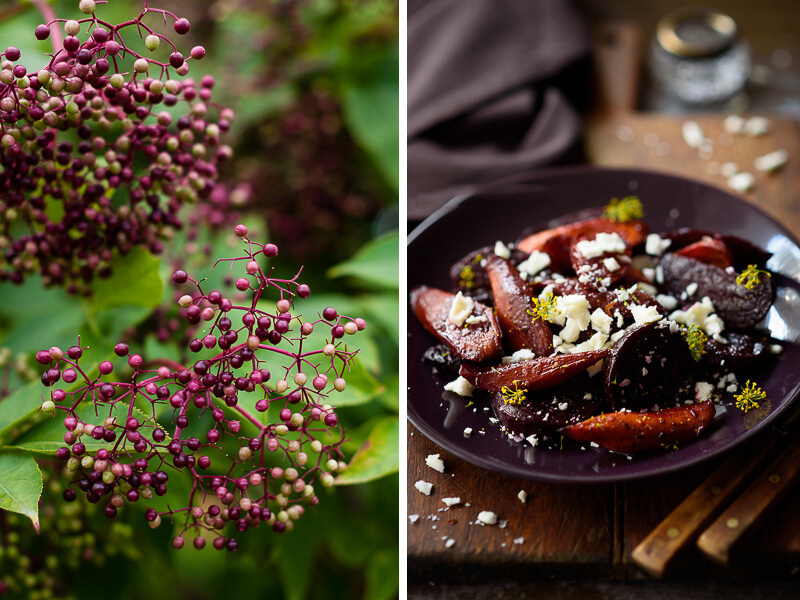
(523,496)
(772,161)
(434,462)
(413,518)
(424,487)
(460,386)
(487,517)
(451,501)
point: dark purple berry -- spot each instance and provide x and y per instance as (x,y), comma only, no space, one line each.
(182,26)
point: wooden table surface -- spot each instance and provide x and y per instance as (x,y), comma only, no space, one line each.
(588,532)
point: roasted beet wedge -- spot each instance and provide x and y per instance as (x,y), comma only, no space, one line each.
(469,273)
(742,349)
(710,251)
(512,301)
(638,432)
(743,252)
(633,232)
(646,366)
(479,342)
(535,374)
(544,413)
(737,306)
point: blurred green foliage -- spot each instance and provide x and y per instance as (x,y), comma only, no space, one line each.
(315,87)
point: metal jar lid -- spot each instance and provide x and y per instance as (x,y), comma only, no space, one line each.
(696,32)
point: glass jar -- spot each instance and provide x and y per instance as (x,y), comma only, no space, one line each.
(698,56)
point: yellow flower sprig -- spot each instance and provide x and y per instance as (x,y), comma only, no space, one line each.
(751,277)
(622,211)
(696,338)
(749,397)
(544,308)
(513,396)
(466,278)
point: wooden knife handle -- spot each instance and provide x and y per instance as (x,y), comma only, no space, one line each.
(681,527)
(726,535)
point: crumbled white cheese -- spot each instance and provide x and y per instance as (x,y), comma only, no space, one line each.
(533,440)
(703,391)
(693,134)
(519,356)
(691,288)
(755,126)
(644,314)
(595,368)
(611,263)
(449,543)
(519,540)
(501,250)
(602,243)
(772,161)
(742,182)
(649,273)
(424,487)
(573,307)
(475,319)
(563,405)
(460,309)
(733,124)
(460,386)
(434,462)
(601,321)
(596,342)
(700,314)
(413,518)
(647,288)
(655,244)
(571,331)
(534,263)
(451,501)
(487,517)
(523,496)
(467,431)
(668,302)
(775,348)
(728,169)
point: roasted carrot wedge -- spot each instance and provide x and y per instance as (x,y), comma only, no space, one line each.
(636,432)
(633,232)
(536,374)
(478,341)
(512,300)
(710,251)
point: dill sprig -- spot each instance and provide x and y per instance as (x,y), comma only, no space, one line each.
(622,211)
(513,396)
(751,276)
(696,338)
(750,396)
(544,308)
(466,278)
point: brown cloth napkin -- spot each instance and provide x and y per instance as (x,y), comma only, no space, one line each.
(491,91)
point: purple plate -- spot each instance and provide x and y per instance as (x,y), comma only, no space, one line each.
(501,212)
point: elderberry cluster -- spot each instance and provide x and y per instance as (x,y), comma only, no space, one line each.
(250,421)
(91,160)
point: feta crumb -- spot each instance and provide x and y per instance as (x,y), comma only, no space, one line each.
(649,273)
(611,263)
(733,124)
(601,321)
(501,250)
(742,182)
(595,368)
(596,342)
(449,543)
(772,161)
(487,517)
(413,518)
(434,462)
(523,496)
(460,386)
(728,169)
(475,319)
(460,309)
(519,356)
(732,387)
(563,405)
(424,487)
(655,244)
(693,134)
(644,314)
(602,243)
(594,444)
(493,421)
(533,440)
(519,540)
(703,391)
(691,288)
(451,501)
(755,126)
(775,348)
(534,263)
(668,302)
(467,431)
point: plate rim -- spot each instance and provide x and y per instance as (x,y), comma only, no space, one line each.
(531,178)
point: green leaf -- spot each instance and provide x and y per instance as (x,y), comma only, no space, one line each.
(20,485)
(294,556)
(135,281)
(376,263)
(361,388)
(379,456)
(382,578)
(370,103)
(20,406)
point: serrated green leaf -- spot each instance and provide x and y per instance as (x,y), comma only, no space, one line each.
(376,263)
(135,280)
(20,485)
(377,457)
